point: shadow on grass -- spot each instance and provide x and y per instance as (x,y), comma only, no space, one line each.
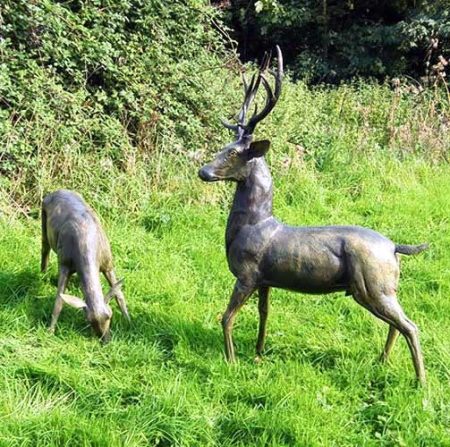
(254,431)
(303,351)
(45,378)
(23,290)
(168,331)
(19,290)
(17,286)
(173,333)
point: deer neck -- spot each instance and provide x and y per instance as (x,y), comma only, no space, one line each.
(92,288)
(252,200)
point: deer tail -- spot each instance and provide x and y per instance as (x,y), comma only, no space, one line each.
(410,249)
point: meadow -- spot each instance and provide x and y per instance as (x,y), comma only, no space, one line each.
(359,154)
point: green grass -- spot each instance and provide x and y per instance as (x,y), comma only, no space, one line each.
(163,379)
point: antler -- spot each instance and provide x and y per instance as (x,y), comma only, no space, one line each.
(250,91)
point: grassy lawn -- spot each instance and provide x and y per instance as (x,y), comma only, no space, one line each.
(163,379)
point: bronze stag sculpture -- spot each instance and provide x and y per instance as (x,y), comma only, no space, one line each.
(263,253)
(72,229)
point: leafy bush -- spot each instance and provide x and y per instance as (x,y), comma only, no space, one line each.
(106,77)
(330,41)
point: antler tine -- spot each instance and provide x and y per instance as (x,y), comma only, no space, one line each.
(241,116)
(244,83)
(266,61)
(256,81)
(226,124)
(248,99)
(272,96)
(249,90)
(278,75)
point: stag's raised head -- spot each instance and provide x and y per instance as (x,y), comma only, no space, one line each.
(231,163)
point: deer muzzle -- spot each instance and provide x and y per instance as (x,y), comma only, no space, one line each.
(206,174)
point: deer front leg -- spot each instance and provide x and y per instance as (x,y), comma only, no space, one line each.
(62,283)
(120,298)
(263,308)
(239,296)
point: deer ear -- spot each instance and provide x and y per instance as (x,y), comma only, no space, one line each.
(73,301)
(258,149)
(113,291)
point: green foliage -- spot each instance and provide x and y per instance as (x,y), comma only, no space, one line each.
(330,41)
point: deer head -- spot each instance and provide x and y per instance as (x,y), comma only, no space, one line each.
(99,316)
(231,163)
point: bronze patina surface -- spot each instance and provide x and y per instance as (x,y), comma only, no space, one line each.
(263,252)
(72,229)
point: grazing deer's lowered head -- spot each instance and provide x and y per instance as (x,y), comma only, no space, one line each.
(96,306)
(263,252)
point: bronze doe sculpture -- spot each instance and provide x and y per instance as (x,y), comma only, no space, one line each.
(263,253)
(72,229)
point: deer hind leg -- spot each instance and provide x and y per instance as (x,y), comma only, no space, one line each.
(263,308)
(62,284)
(239,296)
(388,309)
(45,250)
(391,338)
(374,288)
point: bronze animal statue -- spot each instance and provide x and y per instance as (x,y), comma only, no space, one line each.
(72,229)
(263,252)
